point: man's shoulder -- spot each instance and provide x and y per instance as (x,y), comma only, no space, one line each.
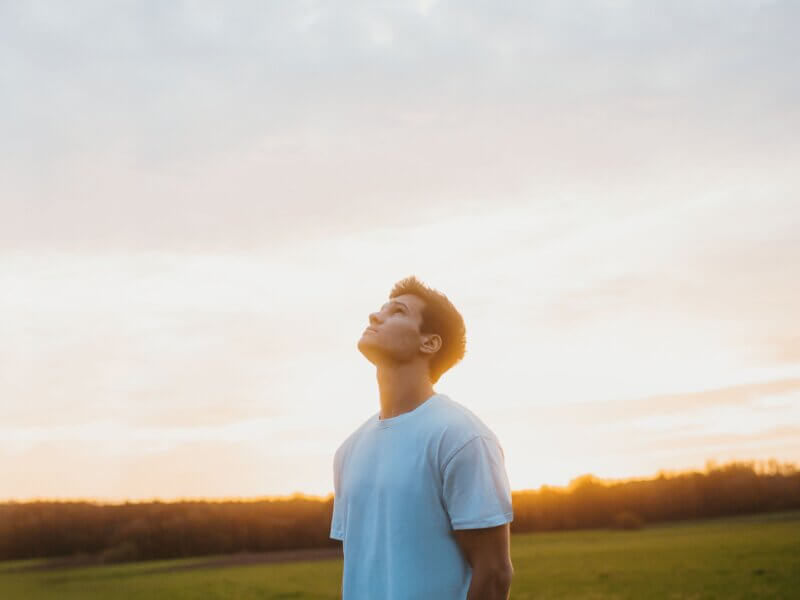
(456,415)
(458,424)
(348,441)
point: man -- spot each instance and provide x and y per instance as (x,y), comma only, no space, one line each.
(422,501)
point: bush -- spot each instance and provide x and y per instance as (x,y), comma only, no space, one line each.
(124,552)
(627,520)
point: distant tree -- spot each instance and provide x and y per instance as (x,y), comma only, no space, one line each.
(152,530)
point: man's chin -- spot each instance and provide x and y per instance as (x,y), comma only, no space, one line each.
(368,349)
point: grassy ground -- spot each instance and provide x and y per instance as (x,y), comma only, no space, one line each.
(748,557)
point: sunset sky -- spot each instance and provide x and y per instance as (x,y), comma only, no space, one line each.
(201,203)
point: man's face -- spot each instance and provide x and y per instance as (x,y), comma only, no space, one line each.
(393,334)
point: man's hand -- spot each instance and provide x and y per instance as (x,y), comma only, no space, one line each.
(488,551)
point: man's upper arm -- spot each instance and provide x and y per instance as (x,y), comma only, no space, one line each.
(477,497)
(475,488)
(486,548)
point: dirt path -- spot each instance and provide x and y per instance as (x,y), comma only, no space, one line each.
(229,560)
(255,558)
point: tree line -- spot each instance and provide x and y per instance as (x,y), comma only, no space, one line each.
(158,530)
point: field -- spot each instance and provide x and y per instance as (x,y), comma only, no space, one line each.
(745,557)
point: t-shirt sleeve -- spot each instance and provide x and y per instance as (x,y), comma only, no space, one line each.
(337,520)
(475,486)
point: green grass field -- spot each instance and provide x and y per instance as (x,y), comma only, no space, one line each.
(746,557)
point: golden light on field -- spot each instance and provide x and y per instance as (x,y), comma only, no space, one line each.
(180,302)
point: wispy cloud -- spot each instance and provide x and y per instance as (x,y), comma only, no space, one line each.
(176,126)
(202,203)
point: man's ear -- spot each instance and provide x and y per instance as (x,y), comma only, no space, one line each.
(432,343)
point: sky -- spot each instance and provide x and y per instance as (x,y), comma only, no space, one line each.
(202,202)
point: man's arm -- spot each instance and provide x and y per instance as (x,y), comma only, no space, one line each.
(488,551)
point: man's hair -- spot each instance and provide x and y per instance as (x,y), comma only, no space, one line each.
(441,317)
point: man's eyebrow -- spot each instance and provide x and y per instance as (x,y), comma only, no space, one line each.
(395,302)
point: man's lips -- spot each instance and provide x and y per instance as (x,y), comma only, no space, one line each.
(370,329)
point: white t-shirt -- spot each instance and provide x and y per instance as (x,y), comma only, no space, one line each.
(401,485)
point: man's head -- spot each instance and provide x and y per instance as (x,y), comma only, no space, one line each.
(416,324)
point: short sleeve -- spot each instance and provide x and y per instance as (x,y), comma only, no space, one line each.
(475,486)
(337,520)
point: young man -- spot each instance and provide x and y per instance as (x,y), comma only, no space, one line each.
(422,501)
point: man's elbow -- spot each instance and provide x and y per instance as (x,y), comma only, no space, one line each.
(504,577)
(501,572)
(494,582)
(503,581)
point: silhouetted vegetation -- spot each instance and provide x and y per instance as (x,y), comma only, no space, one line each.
(153,530)
(732,489)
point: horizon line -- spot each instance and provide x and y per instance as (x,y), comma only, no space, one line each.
(710,465)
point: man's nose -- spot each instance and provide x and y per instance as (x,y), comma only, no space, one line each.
(373,319)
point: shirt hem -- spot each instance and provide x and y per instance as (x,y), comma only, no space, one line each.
(488,522)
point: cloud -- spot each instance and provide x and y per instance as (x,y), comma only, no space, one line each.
(642,435)
(201,126)
(202,203)
(199,469)
(622,412)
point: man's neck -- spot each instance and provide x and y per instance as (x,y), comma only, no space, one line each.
(403,388)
